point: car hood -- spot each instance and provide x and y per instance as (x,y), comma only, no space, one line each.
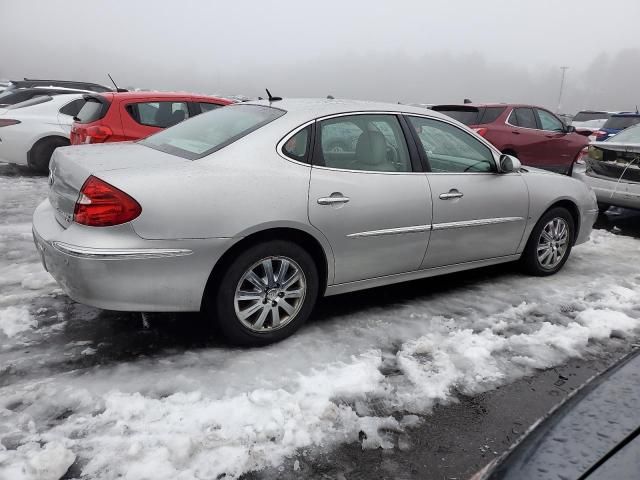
(618,146)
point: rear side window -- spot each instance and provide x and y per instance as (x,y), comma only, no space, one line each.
(621,122)
(158,114)
(363,142)
(491,114)
(297,146)
(206,107)
(11,97)
(93,110)
(31,102)
(523,117)
(205,134)
(73,108)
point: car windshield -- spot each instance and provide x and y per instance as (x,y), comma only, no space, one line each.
(620,122)
(587,116)
(209,132)
(466,115)
(630,135)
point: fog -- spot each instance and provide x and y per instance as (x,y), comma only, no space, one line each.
(407,51)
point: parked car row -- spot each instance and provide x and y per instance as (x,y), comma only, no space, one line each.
(38,116)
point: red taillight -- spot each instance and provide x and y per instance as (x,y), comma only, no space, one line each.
(5,122)
(102,205)
(481,131)
(97,134)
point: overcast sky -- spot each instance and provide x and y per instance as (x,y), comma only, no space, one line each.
(410,51)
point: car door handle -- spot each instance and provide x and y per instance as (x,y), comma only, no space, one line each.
(515,132)
(332,200)
(451,194)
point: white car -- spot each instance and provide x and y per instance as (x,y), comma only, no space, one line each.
(30,131)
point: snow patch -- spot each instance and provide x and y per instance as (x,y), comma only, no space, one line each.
(15,320)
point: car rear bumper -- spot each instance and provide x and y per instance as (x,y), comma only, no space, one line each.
(610,191)
(115,269)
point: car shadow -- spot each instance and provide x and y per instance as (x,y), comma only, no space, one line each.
(10,170)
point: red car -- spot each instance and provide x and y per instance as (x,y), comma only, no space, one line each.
(533,134)
(122,116)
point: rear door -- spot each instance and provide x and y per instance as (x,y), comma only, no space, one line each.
(526,137)
(478,213)
(367,198)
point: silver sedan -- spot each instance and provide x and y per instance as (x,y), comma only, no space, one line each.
(250,212)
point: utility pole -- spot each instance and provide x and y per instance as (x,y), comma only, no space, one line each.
(564,70)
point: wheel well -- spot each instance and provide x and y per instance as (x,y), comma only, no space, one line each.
(43,140)
(573,210)
(299,237)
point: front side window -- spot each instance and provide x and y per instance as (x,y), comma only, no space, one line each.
(450,149)
(550,122)
(363,142)
(297,146)
(158,114)
(205,134)
(73,108)
(523,117)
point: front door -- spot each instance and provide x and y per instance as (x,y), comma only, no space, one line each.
(478,213)
(366,199)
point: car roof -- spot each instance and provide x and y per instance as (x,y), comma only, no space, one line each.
(483,105)
(319,107)
(149,94)
(626,114)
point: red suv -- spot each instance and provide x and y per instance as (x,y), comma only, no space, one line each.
(533,134)
(117,117)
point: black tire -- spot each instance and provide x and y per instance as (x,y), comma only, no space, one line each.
(529,260)
(220,303)
(603,207)
(40,154)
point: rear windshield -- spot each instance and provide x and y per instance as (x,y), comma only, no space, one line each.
(586,116)
(205,134)
(630,135)
(94,109)
(621,122)
(471,115)
(466,115)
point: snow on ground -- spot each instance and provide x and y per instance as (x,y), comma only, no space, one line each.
(356,376)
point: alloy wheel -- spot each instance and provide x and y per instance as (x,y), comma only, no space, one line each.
(553,243)
(270,294)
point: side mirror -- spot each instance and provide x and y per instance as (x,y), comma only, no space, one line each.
(509,164)
(569,129)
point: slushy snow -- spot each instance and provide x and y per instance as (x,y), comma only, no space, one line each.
(358,376)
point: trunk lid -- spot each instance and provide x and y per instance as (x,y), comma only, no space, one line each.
(71,166)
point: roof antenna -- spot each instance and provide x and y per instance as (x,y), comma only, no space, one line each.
(466,100)
(271,97)
(331,97)
(119,90)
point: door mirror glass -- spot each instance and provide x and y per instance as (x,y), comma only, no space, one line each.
(509,164)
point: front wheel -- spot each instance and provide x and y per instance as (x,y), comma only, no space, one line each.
(550,243)
(266,293)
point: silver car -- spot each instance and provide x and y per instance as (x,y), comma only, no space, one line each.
(248,214)
(612,169)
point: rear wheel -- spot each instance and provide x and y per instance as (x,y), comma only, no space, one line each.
(550,243)
(265,294)
(40,154)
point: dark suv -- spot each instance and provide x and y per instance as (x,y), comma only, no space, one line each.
(533,134)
